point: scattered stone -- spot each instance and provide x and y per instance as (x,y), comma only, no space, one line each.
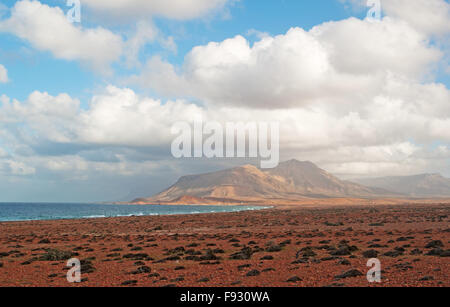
(348,274)
(142,270)
(268,270)
(426,278)
(86,266)
(393,254)
(342,251)
(445,253)
(273,248)
(434,244)
(268,257)
(343,262)
(139,256)
(56,255)
(371,253)
(209,255)
(153,275)
(435,252)
(253,273)
(305,252)
(416,251)
(294,279)
(243,254)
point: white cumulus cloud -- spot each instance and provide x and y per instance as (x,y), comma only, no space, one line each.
(324,65)
(48,29)
(3,74)
(173,9)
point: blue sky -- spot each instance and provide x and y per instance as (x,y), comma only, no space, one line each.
(359,98)
(31,70)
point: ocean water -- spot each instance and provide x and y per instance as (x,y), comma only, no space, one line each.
(61,211)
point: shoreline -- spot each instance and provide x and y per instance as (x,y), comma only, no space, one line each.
(94,217)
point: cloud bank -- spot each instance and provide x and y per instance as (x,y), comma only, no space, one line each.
(357,97)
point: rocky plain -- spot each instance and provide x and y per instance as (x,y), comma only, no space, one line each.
(286,246)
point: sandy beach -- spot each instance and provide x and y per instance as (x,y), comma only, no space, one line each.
(284,246)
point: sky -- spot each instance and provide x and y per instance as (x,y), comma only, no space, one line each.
(86,108)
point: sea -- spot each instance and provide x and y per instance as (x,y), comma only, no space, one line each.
(63,211)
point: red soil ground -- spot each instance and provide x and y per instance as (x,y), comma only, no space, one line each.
(173,249)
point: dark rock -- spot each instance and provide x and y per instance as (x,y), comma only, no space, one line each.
(240,267)
(294,279)
(416,251)
(29,261)
(299,261)
(305,252)
(268,257)
(371,253)
(253,273)
(209,255)
(348,274)
(426,278)
(273,248)
(393,254)
(343,262)
(139,256)
(286,242)
(142,270)
(268,270)
(329,258)
(56,255)
(434,244)
(86,266)
(445,253)
(129,283)
(153,275)
(342,251)
(244,254)
(435,252)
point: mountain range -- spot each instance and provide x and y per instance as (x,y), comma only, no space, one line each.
(424,185)
(290,181)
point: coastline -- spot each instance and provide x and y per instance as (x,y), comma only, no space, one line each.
(173,249)
(102,211)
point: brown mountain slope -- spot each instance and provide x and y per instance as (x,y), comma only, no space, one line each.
(290,180)
(425,185)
